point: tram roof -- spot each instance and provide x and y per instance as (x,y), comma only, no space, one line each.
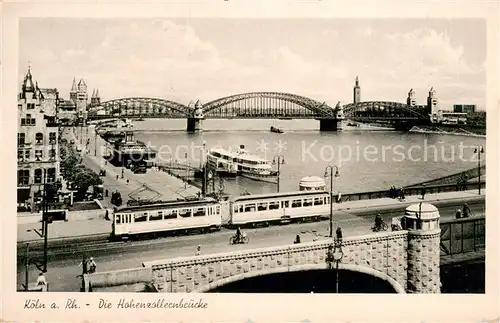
(207,201)
(277,195)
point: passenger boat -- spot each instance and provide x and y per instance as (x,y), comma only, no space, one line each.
(276,130)
(227,163)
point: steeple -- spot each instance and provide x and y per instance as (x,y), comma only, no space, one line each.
(82,83)
(97,94)
(73,87)
(28,82)
(93,94)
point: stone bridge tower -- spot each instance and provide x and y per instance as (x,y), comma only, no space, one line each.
(357,92)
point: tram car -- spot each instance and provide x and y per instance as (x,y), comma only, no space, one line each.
(184,216)
(209,214)
(280,207)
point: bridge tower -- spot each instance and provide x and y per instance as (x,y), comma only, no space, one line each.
(411,100)
(95,100)
(357,91)
(339,110)
(432,102)
(424,238)
(195,123)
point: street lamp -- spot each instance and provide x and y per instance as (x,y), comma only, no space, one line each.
(329,170)
(187,170)
(479,150)
(335,255)
(280,160)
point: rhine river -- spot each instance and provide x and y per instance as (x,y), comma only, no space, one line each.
(367,160)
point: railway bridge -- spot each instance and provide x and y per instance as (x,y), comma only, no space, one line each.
(261,105)
(407,260)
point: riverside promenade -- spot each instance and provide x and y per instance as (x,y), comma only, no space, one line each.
(101,227)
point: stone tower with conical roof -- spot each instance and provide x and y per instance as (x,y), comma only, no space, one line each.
(73,92)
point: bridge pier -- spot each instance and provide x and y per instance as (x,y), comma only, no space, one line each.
(194,125)
(331,124)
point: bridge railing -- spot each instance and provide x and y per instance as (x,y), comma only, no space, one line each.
(411,191)
(463,235)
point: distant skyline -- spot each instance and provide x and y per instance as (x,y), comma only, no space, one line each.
(205,59)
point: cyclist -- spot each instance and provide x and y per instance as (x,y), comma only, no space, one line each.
(238,235)
(466,211)
(378,222)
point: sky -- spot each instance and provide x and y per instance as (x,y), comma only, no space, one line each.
(185,60)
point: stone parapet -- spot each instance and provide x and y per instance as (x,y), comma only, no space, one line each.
(424,261)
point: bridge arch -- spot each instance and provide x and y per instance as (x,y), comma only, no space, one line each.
(395,108)
(144,107)
(318,109)
(307,267)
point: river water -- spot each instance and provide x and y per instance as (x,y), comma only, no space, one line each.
(367,160)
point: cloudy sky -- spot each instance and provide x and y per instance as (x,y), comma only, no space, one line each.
(189,59)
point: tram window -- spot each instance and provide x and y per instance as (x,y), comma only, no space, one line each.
(318,201)
(307,202)
(241,209)
(185,213)
(274,205)
(140,217)
(158,216)
(235,209)
(118,218)
(170,215)
(262,206)
(250,208)
(296,203)
(199,211)
(217,209)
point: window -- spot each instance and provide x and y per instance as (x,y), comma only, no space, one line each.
(118,219)
(20,154)
(241,208)
(307,202)
(274,205)
(39,138)
(296,203)
(141,217)
(285,204)
(217,210)
(250,208)
(199,211)
(185,213)
(23,177)
(38,176)
(21,137)
(30,105)
(52,153)
(38,154)
(235,209)
(52,138)
(27,154)
(157,216)
(51,175)
(262,207)
(170,214)
(318,201)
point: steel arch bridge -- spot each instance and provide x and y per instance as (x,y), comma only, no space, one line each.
(383,110)
(267,105)
(140,107)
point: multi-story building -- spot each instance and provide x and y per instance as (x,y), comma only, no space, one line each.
(37,142)
(464,108)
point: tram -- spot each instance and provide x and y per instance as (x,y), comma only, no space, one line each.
(209,214)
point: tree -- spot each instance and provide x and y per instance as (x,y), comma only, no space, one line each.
(83,179)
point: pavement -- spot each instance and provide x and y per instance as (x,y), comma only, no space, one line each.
(60,229)
(63,268)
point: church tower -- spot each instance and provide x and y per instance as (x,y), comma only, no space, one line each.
(357,91)
(73,92)
(81,100)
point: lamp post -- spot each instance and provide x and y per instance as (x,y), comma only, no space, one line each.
(27,267)
(329,171)
(95,140)
(280,160)
(335,255)
(187,170)
(479,150)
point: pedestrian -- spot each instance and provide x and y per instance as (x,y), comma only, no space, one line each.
(198,250)
(297,239)
(423,191)
(466,211)
(106,216)
(458,214)
(84,264)
(339,197)
(339,234)
(92,266)
(402,194)
(40,281)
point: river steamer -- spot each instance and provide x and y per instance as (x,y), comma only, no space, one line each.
(228,163)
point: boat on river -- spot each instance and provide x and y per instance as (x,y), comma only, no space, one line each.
(240,162)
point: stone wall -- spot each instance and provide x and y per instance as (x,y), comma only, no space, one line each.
(383,252)
(424,261)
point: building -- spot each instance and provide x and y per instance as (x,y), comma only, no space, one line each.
(411,100)
(37,142)
(432,102)
(357,92)
(464,108)
(66,111)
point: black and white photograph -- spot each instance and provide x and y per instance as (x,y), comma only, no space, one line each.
(298,156)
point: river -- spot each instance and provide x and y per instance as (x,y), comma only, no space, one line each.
(367,160)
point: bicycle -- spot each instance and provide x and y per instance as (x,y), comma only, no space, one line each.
(383,227)
(243,239)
